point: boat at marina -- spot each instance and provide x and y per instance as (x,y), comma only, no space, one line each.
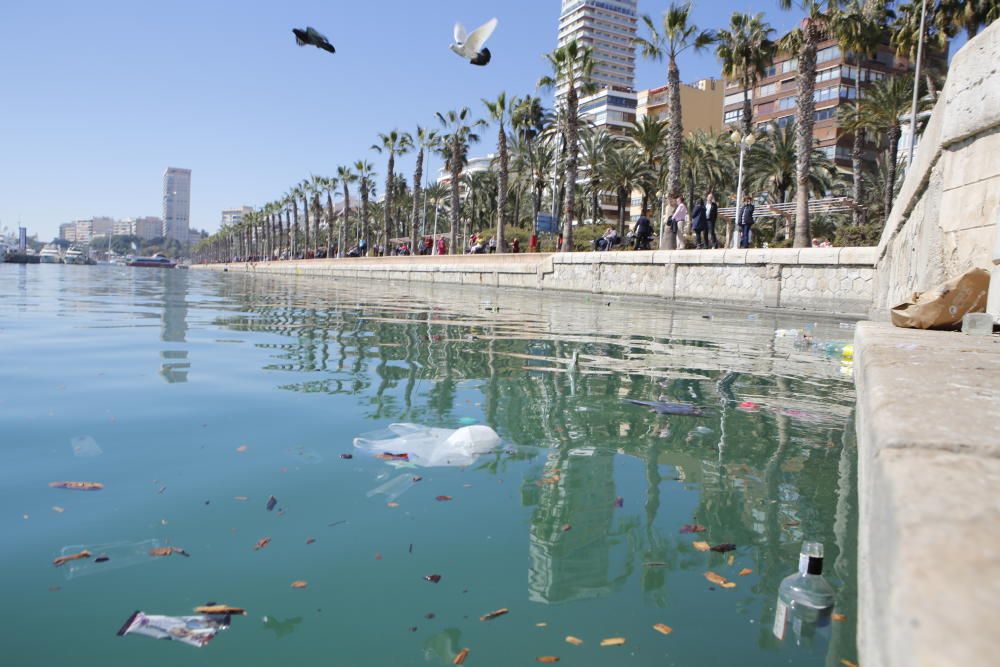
(156,261)
(76,255)
(50,255)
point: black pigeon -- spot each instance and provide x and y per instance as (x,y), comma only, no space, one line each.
(313,37)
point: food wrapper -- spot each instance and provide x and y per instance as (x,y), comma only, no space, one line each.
(192,630)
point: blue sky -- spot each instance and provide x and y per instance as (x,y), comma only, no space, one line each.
(99,97)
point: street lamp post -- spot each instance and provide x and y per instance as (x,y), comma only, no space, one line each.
(744,142)
(916,87)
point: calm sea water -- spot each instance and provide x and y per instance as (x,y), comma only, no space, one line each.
(194,396)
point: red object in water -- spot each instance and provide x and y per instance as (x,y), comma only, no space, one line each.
(443,498)
(433,578)
(748,405)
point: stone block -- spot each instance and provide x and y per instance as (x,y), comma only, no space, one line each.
(755,255)
(973,159)
(971,205)
(972,91)
(862,256)
(736,256)
(668,256)
(819,255)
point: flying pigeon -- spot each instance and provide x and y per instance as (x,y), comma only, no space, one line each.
(470,46)
(313,37)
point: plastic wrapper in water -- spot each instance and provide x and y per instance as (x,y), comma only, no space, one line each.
(394,488)
(85,447)
(108,556)
(432,447)
(193,630)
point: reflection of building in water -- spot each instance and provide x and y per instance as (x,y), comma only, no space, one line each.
(573,564)
(173,326)
(175,371)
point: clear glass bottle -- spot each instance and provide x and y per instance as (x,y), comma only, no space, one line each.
(805,599)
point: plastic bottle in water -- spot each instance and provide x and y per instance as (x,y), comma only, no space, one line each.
(805,600)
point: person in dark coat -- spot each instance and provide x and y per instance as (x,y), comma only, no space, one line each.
(745,221)
(643,232)
(711,216)
(699,222)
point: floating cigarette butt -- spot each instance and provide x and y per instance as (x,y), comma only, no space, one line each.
(65,559)
(77,486)
(299,584)
(220,609)
(460,658)
(575,641)
(261,543)
(613,641)
(494,614)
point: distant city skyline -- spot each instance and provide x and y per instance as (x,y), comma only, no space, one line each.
(91,123)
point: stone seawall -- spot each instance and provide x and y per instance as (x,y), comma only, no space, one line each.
(821,280)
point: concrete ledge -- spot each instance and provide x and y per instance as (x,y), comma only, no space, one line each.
(818,280)
(929,473)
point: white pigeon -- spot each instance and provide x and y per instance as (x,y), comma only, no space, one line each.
(470,46)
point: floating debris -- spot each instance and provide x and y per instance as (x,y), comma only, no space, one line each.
(261,543)
(212,608)
(241,449)
(719,579)
(494,614)
(723,548)
(613,641)
(433,578)
(57,509)
(460,658)
(839,617)
(575,641)
(299,584)
(442,498)
(692,528)
(566,528)
(65,559)
(546,658)
(310,540)
(103,558)
(663,628)
(271,502)
(619,502)
(701,546)
(745,571)
(665,408)
(192,630)
(77,486)
(168,551)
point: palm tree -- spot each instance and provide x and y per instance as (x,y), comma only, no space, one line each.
(329,185)
(746,50)
(346,177)
(500,110)
(459,134)
(595,148)
(803,41)
(650,136)
(906,36)
(624,170)
(678,35)
(425,140)
(292,200)
(302,191)
(528,121)
(858,27)
(572,66)
(884,103)
(968,15)
(394,143)
(366,181)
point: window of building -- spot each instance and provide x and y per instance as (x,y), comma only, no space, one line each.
(769,89)
(825,114)
(824,94)
(732,116)
(786,102)
(735,98)
(827,54)
(767,107)
(784,120)
(828,151)
(827,74)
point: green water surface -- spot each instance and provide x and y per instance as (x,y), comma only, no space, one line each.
(184,392)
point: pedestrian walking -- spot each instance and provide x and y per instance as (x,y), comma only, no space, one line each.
(699,222)
(711,215)
(745,221)
(681,222)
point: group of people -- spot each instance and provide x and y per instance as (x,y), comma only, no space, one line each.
(701,220)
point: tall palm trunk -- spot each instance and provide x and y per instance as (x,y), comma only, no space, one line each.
(295,230)
(890,178)
(623,193)
(572,138)
(857,154)
(289,235)
(456,172)
(502,188)
(389,192)
(317,214)
(364,216)
(329,224)
(675,139)
(804,132)
(343,221)
(747,109)
(305,219)
(594,201)
(418,174)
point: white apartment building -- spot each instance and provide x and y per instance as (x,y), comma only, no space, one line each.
(609,28)
(176,204)
(234,216)
(149,227)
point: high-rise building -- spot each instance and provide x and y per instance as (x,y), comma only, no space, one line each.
(67,232)
(701,105)
(609,28)
(234,216)
(774,98)
(176,203)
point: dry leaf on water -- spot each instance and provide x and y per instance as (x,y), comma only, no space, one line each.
(745,571)
(388,456)
(261,543)
(460,658)
(731,560)
(167,551)
(546,658)
(575,641)
(663,629)
(701,546)
(299,584)
(613,641)
(692,528)
(77,486)
(719,579)
(839,617)
(494,614)
(723,548)
(65,559)
(443,498)
(220,609)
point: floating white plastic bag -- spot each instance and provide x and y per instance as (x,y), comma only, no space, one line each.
(432,447)
(85,447)
(193,630)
